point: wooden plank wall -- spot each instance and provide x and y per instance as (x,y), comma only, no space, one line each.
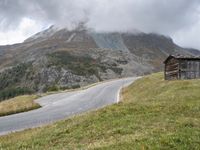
(189,69)
(172,69)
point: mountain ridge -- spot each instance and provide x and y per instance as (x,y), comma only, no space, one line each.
(65,58)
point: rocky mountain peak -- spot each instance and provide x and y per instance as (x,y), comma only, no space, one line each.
(65,57)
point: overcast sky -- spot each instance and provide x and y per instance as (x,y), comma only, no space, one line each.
(179,19)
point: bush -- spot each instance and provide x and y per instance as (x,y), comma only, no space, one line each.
(76,86)
(79,65)
(12,76)
(64,88)
(12,92)
(52,88)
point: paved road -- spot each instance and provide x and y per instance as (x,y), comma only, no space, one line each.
(62,105)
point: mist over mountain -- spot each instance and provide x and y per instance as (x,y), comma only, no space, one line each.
(20,19)
(61,58)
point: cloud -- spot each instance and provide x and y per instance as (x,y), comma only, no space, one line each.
(162,16)
(169,17)
(20,33)
(62,12)
(188,37)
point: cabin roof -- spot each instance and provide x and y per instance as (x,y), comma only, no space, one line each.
(182,57)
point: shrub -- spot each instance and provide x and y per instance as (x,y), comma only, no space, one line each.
(12,92)
(76,86)
(52,88)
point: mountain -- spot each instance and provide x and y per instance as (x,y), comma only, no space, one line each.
(62,58)
(195,52)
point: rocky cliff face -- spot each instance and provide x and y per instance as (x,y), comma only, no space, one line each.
(66,59)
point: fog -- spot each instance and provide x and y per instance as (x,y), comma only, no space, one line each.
(179,19)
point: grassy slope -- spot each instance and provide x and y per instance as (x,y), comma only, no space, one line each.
(18,104)
(154,114)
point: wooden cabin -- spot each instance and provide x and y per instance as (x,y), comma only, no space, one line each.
(182,67)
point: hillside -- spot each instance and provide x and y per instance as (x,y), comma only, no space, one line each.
(194,51)
(62,59)
(154,114)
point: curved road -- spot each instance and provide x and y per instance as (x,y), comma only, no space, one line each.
(59,106)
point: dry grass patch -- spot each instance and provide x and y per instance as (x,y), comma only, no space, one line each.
(18,104)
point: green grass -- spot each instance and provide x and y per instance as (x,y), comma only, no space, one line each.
(18,104)
(154,114)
